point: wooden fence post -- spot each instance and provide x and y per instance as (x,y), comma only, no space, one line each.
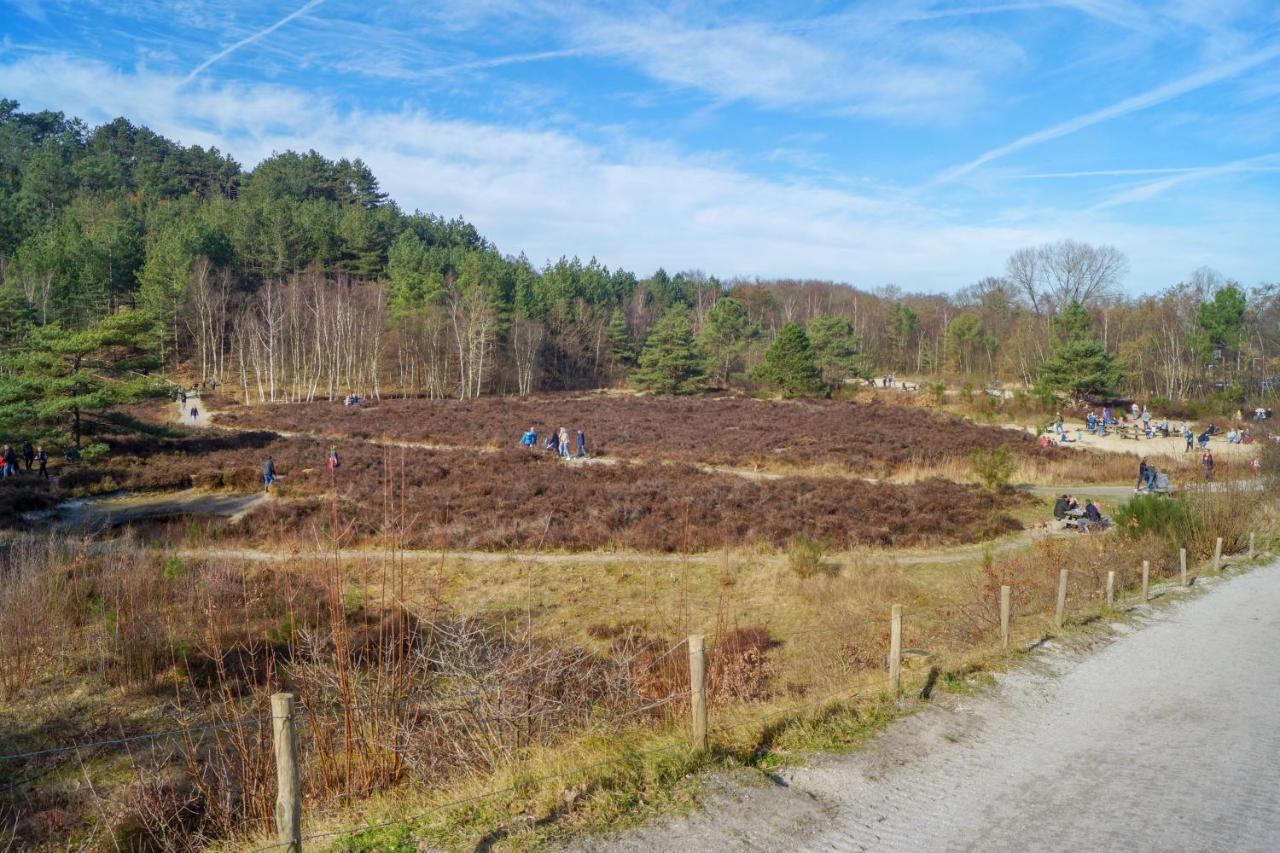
(1182,560)
(1251,552)
(288,793)
(1006,593)
(1217,555)
(698,689)
(1111,589)
(1146,580)
(1061,612)
(895,649)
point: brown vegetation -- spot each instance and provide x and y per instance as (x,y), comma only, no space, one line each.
(516,499)
(867,439)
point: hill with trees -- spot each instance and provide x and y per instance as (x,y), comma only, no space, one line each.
(301,278)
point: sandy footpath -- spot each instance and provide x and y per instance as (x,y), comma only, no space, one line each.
(1166,739)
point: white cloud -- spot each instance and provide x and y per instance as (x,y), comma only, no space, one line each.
(859,63)
(250,39)
(1152,97)
(1153,189)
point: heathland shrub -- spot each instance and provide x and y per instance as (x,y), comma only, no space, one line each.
(994,468)
(805,557)
(1155,515)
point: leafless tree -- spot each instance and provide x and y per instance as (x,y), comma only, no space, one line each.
(1054,275)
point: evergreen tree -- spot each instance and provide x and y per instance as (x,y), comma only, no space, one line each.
(725,334)
(622,353)
(670,362)
(1220,324)
(836,350)
(62,378)
(789,365)
(1080,364)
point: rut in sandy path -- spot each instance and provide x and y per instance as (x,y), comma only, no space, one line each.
(1163,740)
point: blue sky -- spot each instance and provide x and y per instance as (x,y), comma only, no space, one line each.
(912,143)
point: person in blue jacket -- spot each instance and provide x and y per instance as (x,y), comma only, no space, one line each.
(529,440)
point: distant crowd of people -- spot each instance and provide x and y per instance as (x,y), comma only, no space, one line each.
(30,457)
(558,442)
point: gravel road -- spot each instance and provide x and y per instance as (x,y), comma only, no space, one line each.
(1165,739)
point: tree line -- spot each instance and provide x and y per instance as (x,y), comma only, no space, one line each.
(126,258)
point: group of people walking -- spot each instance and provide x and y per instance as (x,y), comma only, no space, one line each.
(558,442)
(31,457)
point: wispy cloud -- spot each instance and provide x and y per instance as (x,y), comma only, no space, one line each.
(1099,173)
(1152,189)
(32,9)
(849,64)
(500,61)
(225,52)
(1151,97)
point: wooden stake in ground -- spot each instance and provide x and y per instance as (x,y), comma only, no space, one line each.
(1146,580)
(1251,545)
(698,689)
(1182,560)
(288,793)
(1217,555)
(1111,589)
(895,649)
(1006,592)
(1061,612)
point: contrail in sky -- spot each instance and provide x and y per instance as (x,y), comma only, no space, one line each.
(223,54)
(1149,98)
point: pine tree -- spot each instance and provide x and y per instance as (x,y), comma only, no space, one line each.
(670,362)
(1080,364)
(836,350)
(621,351)
(789,365)
(726,331)
(60,379)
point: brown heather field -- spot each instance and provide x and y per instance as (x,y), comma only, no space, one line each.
(866,439)
(520,500)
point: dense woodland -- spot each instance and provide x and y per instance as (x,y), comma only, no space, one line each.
(126,258)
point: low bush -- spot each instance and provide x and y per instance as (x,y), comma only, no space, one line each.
(994,468)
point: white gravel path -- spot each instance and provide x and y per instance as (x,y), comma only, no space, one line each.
(1166,739)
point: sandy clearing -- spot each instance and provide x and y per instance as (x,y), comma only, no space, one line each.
(1173,447)
(1163,740)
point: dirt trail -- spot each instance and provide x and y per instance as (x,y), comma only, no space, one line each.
(106,512)
(1163,740)
(941,556)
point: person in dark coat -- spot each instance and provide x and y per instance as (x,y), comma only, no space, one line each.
(28,454)
(268,473)
(42,460)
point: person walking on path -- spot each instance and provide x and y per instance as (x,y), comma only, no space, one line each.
(28,455)
(581,451)
(10,461)
(563,439)
(42,460)
(1191,438)
(1207,462)
(195,415)
(529,441)
(268,474)
(333,460)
